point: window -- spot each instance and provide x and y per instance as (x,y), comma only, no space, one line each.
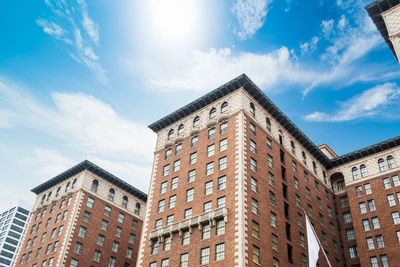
(78,248)
(375,223)
(398,236)
(350,234)
(374,262)
(168,153)
(166,170)
(111,194)
(82,232)
(302,240)
(254,184)
(223,127)
(155,245)
(191,176)
(298,200)
(188,213)
(171,134)
(359,191)
(321,219)
(379,241)
(170,219)
(275,242)
(294,165)
(220,228)
(363,170)
(256,229)
(177,165)
(353,252)
(299,219)
(132,238)
(370,243)
(55,245)
(104,225)
(222,163)
(223,144)
(185,238)
(252,109)
(310,210)
(90,202)
(270,161)
(74,263)
(195,141)
(271,179)
(273,220)
(207,206)
(272,198)
(252,129)
(210,168)
(391,200)
(213,113)
(86,217)
(180,129)
(332,228)
(208,188)
(386,183)
(308,193)
(95,185)
(100,240)
(121,218)
(184,260)
(396,217)
(390,162)
(222,182)
(363,208)
(161,205)
(253,165)
(319,203)
(107,211)
(371,205)
(211,133)
(158,224)
(368,189)
(163,187)
(189,194)
(381,164)
(221,202)
(196,121)
(172,201)
(220,252)
(206,231)
(254,206)
(306,176)
(174,183)
(167,243)
(178,149)
(366,226)
(129,253)
(124,201)
(224,107)
(354,171)
(153,264)
(314,168)
(211,150)
(384,260)
(253,146)
(256,254)
(164,262)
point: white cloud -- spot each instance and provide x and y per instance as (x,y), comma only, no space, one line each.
(90,53)
(327,27)
(50,27)
(250,15)
(366,104)
(342,22)
(91,28)
(311,46)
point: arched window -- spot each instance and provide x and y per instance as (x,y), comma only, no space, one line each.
(293,147)
(43,198)
(363,171)
(48,196)
(324,175)
(354,171)
(314,167)
(170,134)
(224,107)
(390,161)
(67,187)
(268,124)
(137,208)
(95,185)
(111,194)
(252,109)
(124,201)
(213,113)
(180,129)
(381,164)
(58,191)
(73,184)
(196,121)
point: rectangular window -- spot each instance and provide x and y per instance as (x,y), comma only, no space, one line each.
(319,203)
(188,213)
(302,240)
(375,223)
(371,205)
(222,182)
(208,188)
(172,201)
(386,183)
(299,219)
(104,225)
(220,228)
(223,145)
(275,242)
(370,243)
(254,184)
(306,176)
(396,217)
(178,149)
(391,200)
(220,252)
(177,165)
(374,262)
(193,158)
(253,147)
(210,168)
(368,189)
(191,176)
(396,180)
(270,161)
(294,165)
(253,165)
(366,225)
(167,243)
(350,234)
(206,232)
(254,206)
(353,252)
(132,238)
(100,240)
(363,207)
(211,150)
(121,218)
(166,170)
(273,220)
(168,153)
(296,183)
(308,193)
(384,260)
(184,260)
(252,129)
(222,163)
(185,238)
(347,217)
(161,205)
(298,200)
(211,133)
(82,232)
(158,224)
(256,229)
(174,183)
(223,127)
(205,255)
(90,202)
(256,254)
(189,194)
(163,188)
(194,141)
(78,248)
(379,241)
(107,211)
(129,253)
(170,219)
(398,236)
(272,198)
(310,210)
(221,202)
(207,206)
(155,245)
(271,179)
(269,143)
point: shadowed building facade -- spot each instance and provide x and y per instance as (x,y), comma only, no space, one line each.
(83,217)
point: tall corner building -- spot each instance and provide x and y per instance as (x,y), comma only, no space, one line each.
(85,216)
(13,222)
(233,178)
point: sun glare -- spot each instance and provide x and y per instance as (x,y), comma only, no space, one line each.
(174,20)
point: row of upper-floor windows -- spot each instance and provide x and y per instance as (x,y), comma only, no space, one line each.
(47,197)
(196,121)
(65,202)
(383,166)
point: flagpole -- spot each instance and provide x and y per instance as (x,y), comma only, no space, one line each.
(319,243)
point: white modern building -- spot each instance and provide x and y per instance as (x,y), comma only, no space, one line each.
(13,222)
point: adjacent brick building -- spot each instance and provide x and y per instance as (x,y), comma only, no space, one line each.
(233,177)
(83,217)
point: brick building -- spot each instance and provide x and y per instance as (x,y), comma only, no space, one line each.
(233,177)
(83,217)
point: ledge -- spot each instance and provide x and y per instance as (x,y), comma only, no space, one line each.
(189,223)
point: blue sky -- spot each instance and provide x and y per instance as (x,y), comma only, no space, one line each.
(83,79)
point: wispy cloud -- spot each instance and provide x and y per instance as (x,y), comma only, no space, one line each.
(366,104)
(251,15)
(77,30)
